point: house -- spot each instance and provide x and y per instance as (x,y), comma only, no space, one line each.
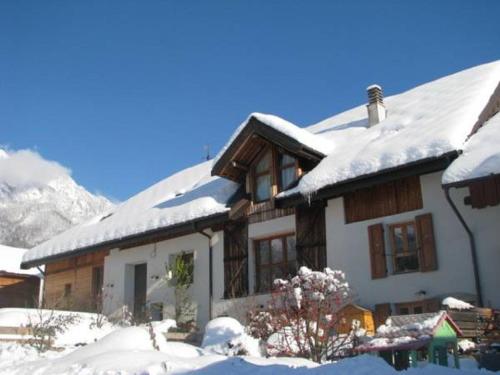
(18,287)
(361,191)
(405,340)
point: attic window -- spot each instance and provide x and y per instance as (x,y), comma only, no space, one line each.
(263,177)
(287,171)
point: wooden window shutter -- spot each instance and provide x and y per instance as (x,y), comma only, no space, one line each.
(310,229)
(382,312)
(426,243)
(377,251)
(235,260)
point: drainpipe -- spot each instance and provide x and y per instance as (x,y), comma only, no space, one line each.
(472,242)
(210,276)
(42,286)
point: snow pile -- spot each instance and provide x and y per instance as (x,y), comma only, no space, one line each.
(187,195)
(303,136)
(228,337)
(466,345)
(456,304)
(10,261)
(425,122)
(82,331)
(480,157)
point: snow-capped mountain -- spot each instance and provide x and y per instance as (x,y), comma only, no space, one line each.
(39,199)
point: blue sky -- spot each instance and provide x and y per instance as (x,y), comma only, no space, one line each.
(126,92)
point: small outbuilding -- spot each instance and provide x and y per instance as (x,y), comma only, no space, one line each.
(405,340)
(351,313)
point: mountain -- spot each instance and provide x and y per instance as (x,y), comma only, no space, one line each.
(39,199)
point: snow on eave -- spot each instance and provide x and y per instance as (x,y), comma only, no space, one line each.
(310,140)
(10,262)
(480,158)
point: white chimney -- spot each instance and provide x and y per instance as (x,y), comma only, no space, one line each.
(376,108)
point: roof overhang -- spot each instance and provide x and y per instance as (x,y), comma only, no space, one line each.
(151,236)
(419,167)
(236,159)
(468,182)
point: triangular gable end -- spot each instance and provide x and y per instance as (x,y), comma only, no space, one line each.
(254,135)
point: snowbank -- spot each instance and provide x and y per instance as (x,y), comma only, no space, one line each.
(480,157)
(228,337)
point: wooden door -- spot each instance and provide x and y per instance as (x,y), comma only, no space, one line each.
(140,288)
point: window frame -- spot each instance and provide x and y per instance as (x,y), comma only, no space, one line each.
(280,168)
(406,252)
(284,264)
(268,171)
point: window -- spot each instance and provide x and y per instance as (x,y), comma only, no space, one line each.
(67,290)
(263,170)
(287,171)
(182,268)
(274,258)
(97,281)
(404,246)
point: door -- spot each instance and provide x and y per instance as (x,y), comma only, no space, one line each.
(140,288)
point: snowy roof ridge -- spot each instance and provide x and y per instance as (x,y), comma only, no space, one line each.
(188,195)
(427,121)
(480,157)
(301,135)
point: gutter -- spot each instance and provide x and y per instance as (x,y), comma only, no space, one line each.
(472,242)
(210,272)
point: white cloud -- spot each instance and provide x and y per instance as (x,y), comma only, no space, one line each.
(27,167)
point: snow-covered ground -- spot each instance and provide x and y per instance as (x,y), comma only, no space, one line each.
(130,351)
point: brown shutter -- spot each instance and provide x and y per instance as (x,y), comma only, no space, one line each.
(310,229)
(382,312)
(377,251)
(426,244)
(235,260)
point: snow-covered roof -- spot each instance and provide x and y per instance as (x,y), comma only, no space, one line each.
(456,304)
(185,196)
(424,122)
(301,135)
(10,261)
(480,157)
(407,331)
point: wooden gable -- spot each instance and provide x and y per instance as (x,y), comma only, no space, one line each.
(238,157)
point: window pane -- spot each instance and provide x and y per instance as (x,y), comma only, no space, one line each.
(264,164)
(398,240)
(277,273)
(264,252)
(418,310)
(412,241)
(287,159)
(263,190)
(407,263)
(264,281)
(277,250)
(290,247)
(287,177)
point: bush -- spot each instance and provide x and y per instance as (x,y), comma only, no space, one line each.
(303,317)
(45,325)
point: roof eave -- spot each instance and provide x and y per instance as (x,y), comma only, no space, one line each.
(419,167)
(467,182)
(154,235)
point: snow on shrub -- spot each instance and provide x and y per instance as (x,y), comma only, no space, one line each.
(228,337)
(303,317)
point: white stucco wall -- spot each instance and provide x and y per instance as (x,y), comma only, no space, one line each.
(118,279)
(347,249)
